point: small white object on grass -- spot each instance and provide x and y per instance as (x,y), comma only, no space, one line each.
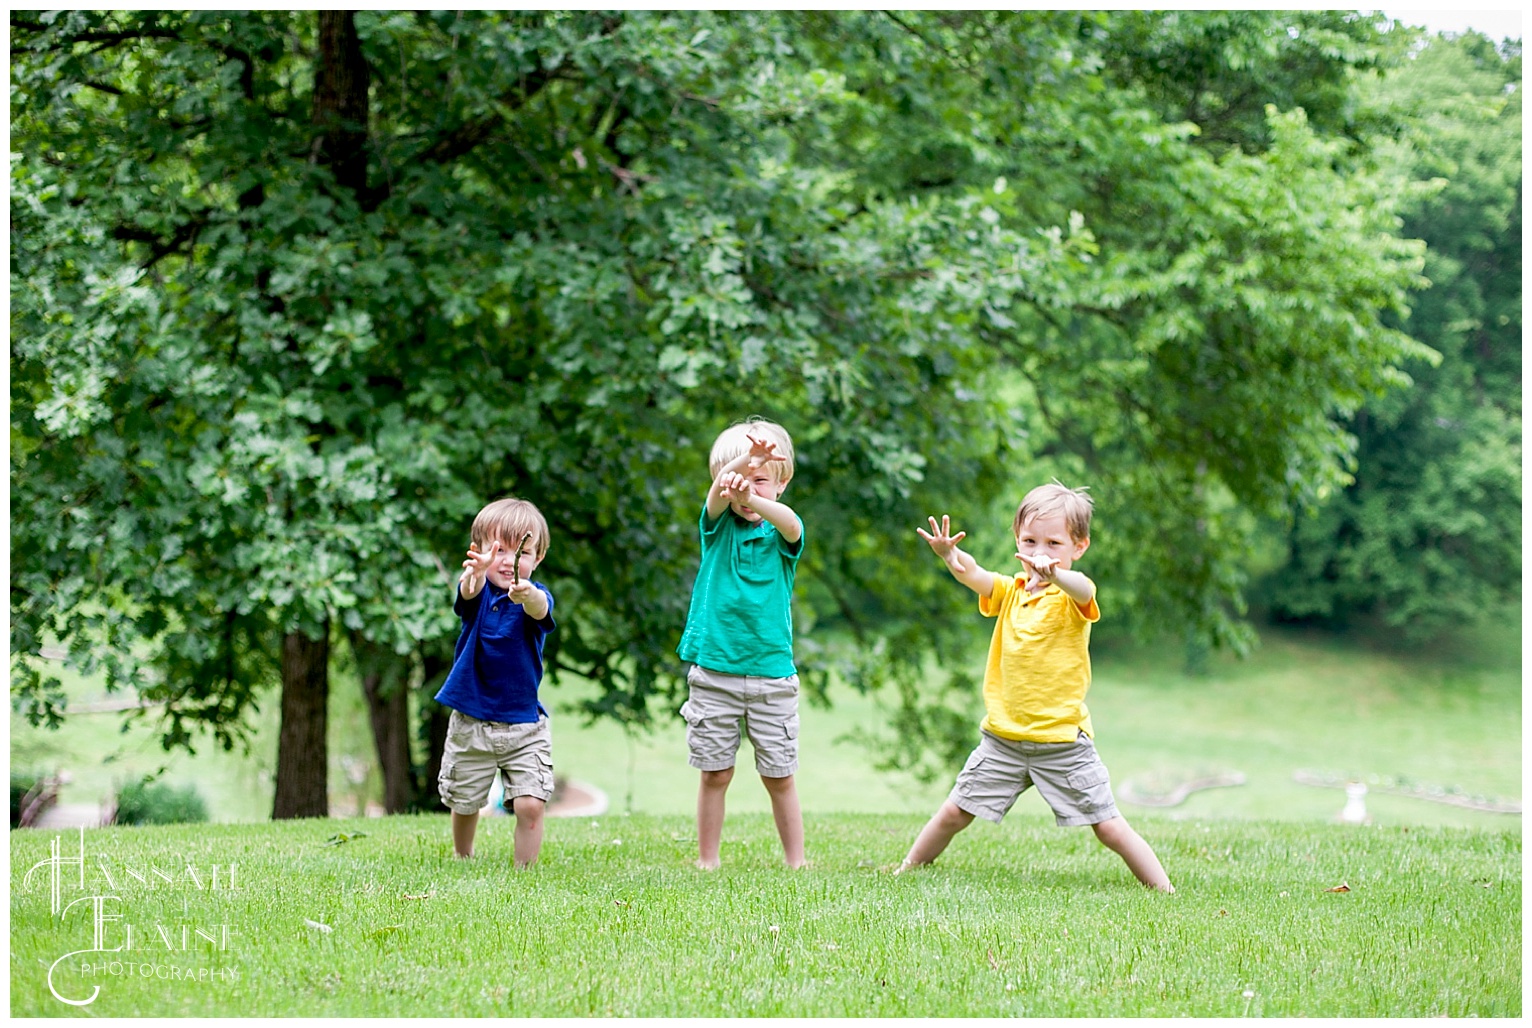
(1355,811)
(326,929)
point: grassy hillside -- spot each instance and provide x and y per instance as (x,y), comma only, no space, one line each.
(1023,919)
(1449,719)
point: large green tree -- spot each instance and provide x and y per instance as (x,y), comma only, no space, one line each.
(294,294)
(1198,369)
(1428,537)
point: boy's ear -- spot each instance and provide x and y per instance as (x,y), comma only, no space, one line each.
(1081,545)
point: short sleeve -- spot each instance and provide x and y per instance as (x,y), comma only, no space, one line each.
(1091,612)
(709,529)
(546,625)
(464,608)
(792,551)
(991,605)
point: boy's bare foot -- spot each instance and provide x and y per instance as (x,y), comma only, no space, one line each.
(904,866)
(706,865)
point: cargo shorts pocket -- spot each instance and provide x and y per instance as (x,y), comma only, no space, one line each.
(710,742)
(545,772)
(791,727)
(1090,786)
(1087,779)
(972,774)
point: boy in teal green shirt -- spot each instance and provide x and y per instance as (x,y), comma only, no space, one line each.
(739,633)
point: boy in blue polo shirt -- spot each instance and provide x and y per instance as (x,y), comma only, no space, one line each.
(497,722)
(739,633)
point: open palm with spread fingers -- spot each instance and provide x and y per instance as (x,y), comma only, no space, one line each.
(480,561)
(762,451)
(476,567)
(943,542)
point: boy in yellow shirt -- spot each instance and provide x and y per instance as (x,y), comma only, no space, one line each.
(1036,728)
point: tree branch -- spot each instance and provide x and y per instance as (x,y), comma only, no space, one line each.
(891,16)
(106,39)
(160,246)
(469,135)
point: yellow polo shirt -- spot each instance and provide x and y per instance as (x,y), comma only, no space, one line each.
(1039,663)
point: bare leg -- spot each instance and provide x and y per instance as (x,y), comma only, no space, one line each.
(789,817)
(463,828)
(529,828)
(948,820)
(710,797)
(1119,837)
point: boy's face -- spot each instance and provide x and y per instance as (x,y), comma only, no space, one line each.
(761,484)
(1047,535)
(499,572)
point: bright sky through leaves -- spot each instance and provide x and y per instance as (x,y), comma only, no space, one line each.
(1497,24)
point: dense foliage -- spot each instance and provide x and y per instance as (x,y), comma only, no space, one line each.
(294,294)
(1428,537)
(145,802)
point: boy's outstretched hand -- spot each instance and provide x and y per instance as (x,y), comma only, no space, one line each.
(476,569)
(733,486)
(523,590)
(762,451)
(1042,570)
(944,543)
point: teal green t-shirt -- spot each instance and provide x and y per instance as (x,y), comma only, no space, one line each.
(741,616)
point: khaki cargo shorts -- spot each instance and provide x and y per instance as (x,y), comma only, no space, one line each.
(475,750)
(1069,775)
(716,705)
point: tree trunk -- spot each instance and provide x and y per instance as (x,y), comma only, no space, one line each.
(339,107)
(385,684)
(434,727)
(302,755)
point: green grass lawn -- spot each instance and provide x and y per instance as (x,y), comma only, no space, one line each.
(1023,919)
(1020,919)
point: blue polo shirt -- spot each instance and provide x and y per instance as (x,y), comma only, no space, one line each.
(498,663)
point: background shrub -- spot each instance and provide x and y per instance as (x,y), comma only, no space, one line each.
(154,803)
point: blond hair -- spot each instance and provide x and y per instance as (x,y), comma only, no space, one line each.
(1056,498)
(508,520)
(734,440)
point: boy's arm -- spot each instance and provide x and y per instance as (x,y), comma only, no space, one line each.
(762,451)
(1070,582)
(718,494)
(781,516)
(962,565)
(1075,585)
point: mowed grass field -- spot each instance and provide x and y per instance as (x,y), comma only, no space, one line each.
(373,917)
(1019,920)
